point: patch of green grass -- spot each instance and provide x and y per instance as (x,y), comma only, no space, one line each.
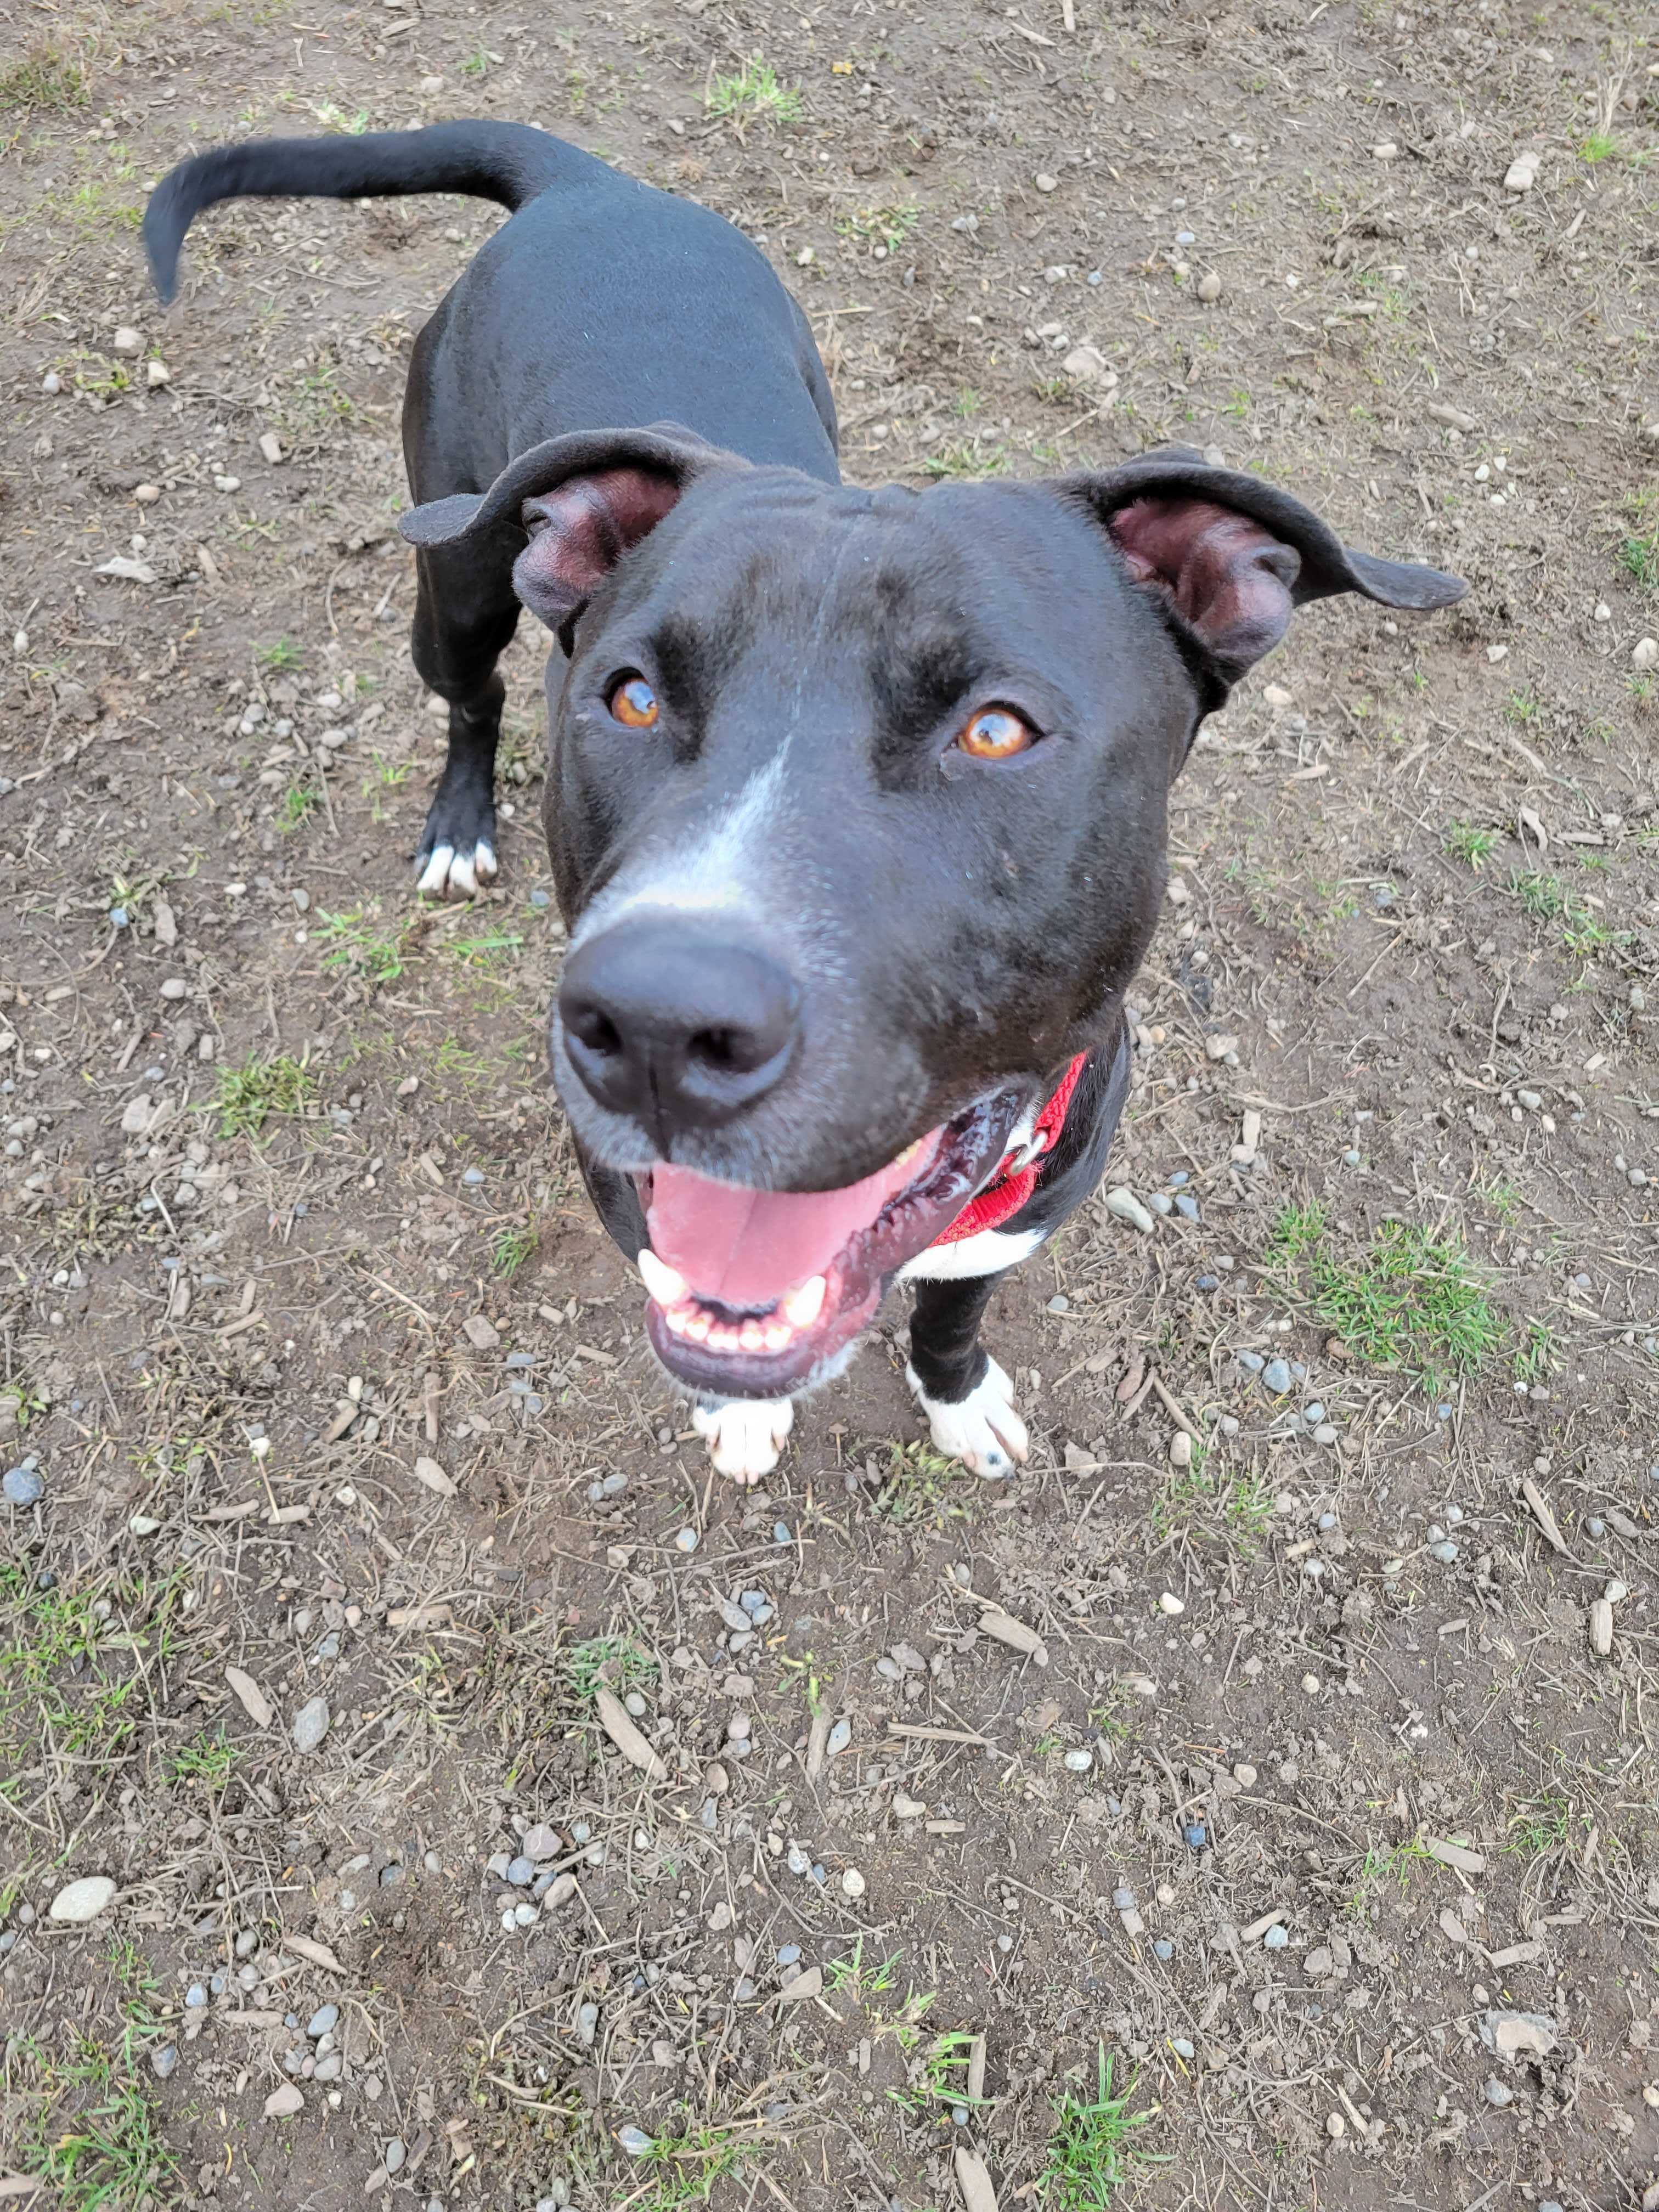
(1540,1354)
(1641,556)
(26,1404)
(920,1486)
(296,806)
(882,226)
(1412,1299)
(509,1249)
(1524,708)
(966,457)
(684,2168)
(96,205)
(1468,843)
(1542,1830)
(45,80)
(1381,1864)
(477,62)
(75,1682)
(210,1761)
(617,1662)
(1095,2149)
(1230,1506)
(967,404)
(246,1097)
(480,951)
(1599,146)
(84,2122)
(337,118)
(755,94)
(358,946)
(281,654)
(863,1982)
(1541,896)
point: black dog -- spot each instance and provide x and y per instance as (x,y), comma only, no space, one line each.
(855,800)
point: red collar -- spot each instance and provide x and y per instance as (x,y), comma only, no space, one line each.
(1011,1186)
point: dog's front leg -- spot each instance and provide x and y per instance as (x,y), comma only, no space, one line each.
(745,1435)
(967,1399)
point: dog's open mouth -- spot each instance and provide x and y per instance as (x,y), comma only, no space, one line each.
(753,1291)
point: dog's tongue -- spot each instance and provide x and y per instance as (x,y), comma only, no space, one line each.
(746,1247)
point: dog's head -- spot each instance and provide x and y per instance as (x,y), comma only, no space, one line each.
(856,804)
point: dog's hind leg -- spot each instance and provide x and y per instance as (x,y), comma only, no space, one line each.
(465,617)
(967,1399)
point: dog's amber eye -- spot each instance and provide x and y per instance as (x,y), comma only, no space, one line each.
(633,702)
(996,733)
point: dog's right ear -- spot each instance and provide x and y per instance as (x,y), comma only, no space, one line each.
(584,501)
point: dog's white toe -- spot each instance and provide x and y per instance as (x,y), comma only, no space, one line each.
(456,871)
(745,1435)
(983,1429)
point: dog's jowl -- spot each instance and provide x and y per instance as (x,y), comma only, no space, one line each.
(855,800)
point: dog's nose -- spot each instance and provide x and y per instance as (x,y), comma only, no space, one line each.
(678,1027)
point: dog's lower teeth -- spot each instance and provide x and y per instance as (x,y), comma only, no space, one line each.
(802,1307)
(679,1319)
(777,1336)
(665,1284)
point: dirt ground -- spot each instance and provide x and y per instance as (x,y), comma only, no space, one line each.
(1326,1806)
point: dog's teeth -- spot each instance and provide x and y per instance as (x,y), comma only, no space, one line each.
(752,1336)
(778,1334)
(721,1339)
(802,1307)
(697,1325)
(665,1284)
(678,1319)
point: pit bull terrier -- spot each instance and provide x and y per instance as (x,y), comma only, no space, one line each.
(856,800)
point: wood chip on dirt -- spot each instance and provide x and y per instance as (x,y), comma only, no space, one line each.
(615,1720)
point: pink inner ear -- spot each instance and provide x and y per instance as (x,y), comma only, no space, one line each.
(586,525)
(1227,578)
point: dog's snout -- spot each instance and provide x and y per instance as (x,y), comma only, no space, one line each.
(678,1027)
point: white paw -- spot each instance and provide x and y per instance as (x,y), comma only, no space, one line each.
(982,1429)
(745,1435)
(456,873)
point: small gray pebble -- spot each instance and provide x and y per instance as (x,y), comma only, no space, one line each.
(395,2155)
(163,2061)
(196,1995)
(1328,1520)
(1164,1948)
(780,1532)
(1298,1371)
(22,1485)
(310,1724)
(1351,1157)
(1276,1937)
(1597,1527)
(247,1941)
(473,1177)
(1124,1898)
(330,2066)
(1060,1304)
(1252,1361)
(521,1872)
(216,1984)
(1313,1415)
(788,1953)
(1445,1553)
(746,1989)
(1277,1376)
(1324,1434)
(322,2021)
(1497,2093)
(1181,2047)
(1187,1206)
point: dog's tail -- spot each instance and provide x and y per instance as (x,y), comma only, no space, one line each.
(509,162)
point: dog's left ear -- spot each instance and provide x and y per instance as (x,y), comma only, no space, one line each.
(582,501)
(1231,556)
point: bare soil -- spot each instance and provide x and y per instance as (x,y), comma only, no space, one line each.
(288,1207)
